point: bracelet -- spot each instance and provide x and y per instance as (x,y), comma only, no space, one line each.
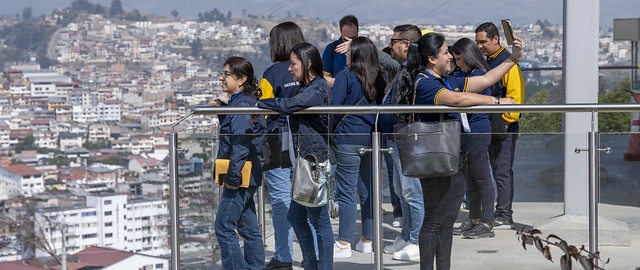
(514,59)
(496,100)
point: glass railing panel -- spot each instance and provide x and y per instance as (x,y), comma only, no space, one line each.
(198,198)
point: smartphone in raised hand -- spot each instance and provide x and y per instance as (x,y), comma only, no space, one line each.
(508,31)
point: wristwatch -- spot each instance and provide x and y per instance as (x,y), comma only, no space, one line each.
(496,100)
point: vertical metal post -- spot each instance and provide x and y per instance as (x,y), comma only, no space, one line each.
(173,190)
(593,185)
(261,214)
(377,200)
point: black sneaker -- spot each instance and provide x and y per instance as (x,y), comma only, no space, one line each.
(278,265)
(479,231)
(501,224)
(465,226)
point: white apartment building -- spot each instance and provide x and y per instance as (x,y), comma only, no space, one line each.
(98,132)
(4,134)
(109,111)
(136,224)
(45,139)
(20,179)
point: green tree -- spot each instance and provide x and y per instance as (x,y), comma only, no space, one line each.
(116,9)
(541,122)
(174,13)
(618,121)
(196,47)
(59,161)
(27,13)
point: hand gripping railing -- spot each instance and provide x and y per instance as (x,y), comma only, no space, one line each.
(560,108)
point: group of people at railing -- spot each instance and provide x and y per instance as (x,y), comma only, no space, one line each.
(352,71)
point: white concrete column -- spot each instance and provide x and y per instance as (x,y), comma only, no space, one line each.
(580,72)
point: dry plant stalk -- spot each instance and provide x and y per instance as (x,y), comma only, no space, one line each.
(588,260)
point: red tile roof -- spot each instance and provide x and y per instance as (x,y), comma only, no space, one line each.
(102,256)
(22,169)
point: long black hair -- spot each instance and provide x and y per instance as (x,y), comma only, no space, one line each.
(365,65)
(308,53)
(241,67)
(469,51)
(282,38)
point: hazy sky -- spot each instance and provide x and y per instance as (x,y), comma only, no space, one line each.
(368,11)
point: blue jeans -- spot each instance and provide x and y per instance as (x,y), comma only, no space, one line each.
(279,184)
(442,199)
(237,211)
(409,191)
(477,172)
(395,201)
(300,216)
(501,155)
(353,175)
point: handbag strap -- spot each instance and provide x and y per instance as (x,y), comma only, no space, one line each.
(345,116)
(415,93)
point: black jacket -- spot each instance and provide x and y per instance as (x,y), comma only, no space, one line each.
(242,137)
(309,131)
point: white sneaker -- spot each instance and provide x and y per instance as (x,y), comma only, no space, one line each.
(341,251)
(410,252)
(365,246)
(397,222)
(397,245)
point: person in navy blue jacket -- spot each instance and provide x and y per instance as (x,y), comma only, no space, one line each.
(241,140)
(309,136)
(476,171)
(277,82)
(362,83)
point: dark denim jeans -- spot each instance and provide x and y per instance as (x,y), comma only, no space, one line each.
(501,155)
(237,211)
(442,199)
(477,173)
(300,216)
(278,182)
(395,201)
(353,177)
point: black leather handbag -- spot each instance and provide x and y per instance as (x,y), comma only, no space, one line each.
(428,149)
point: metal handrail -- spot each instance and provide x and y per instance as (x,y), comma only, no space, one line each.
(592,108)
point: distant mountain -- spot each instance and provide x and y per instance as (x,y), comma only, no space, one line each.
(374,11)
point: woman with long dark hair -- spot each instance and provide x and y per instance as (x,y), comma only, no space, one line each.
(309,135)
(476,171)
(241,140)
(277,82)
(360,84)
(427,63)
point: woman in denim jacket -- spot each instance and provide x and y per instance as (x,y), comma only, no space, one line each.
(241,140)
(309,137)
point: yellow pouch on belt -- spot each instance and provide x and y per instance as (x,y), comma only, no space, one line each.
(222,166)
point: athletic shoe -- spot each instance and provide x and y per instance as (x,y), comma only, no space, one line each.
(278,265)
(397,222)
(341,251)
(479,231)
(365,246)
(411,252)
(465,226)
(501,224)
(397,245)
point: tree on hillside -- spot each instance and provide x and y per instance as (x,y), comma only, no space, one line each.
(174,13)
(115,10)
(196,47)
(82,5)
(27,13)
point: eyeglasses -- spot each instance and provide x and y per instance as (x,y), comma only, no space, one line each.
(395,40)
(225,74)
